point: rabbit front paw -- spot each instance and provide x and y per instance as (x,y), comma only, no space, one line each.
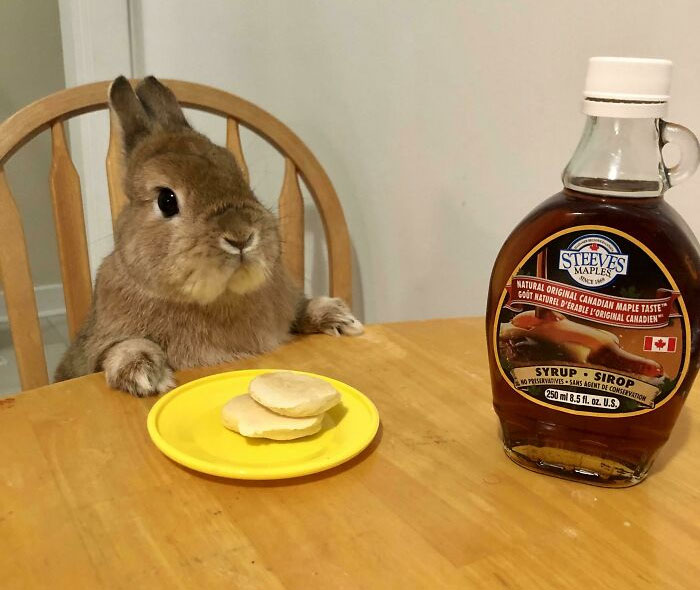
(330,315)
(139,367)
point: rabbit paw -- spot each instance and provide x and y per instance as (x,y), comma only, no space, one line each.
(139,367)
(332,316)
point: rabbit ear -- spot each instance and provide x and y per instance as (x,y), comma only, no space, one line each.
(160,103)
(132,116)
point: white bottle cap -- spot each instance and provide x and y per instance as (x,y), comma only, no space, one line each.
(627,87)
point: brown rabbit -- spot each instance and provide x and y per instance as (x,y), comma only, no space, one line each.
(196,276)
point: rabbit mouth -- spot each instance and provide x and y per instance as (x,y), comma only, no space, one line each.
(251,270)
(239,247)
(239,267)
(206,283)
(249,277)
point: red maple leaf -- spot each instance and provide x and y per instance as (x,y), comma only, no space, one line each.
(660,343)
(594,247)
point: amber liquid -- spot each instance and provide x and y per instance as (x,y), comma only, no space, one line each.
(613,452)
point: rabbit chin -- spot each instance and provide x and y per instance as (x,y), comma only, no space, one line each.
(248,278)
(205,284)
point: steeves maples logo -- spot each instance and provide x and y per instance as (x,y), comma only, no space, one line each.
(593,260)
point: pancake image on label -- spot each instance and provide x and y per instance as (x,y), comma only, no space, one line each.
(244,415)
(292,394)
(528,338)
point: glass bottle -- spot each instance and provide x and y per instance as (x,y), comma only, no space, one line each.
(593,313)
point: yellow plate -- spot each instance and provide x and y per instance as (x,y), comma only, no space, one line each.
(186,426)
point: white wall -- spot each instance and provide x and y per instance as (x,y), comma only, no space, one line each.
(31,66)
(441,123)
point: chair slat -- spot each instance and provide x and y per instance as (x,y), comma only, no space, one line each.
(19,293)
(70,230)
(233,143)
(291,212)
(334,227)
(115,169)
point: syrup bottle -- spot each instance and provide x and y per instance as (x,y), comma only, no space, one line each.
(594,304)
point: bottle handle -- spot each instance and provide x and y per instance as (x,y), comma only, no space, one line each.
(689,148)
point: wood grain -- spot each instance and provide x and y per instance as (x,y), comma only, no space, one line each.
(69,220)
(433,503)
(291,214)
(19,293)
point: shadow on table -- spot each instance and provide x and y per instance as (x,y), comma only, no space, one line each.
(292,481)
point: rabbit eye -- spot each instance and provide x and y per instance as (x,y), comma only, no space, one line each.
(167,202)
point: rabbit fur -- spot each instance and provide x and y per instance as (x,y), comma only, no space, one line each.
(202,286)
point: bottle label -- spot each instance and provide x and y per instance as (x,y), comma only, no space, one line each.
(592,323)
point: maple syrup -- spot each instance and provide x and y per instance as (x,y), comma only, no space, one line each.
(593,311)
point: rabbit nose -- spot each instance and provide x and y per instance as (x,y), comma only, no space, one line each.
(240,244)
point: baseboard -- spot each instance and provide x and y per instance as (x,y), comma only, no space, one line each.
(49,302)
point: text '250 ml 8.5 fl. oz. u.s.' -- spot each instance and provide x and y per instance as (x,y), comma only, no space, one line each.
(594,302)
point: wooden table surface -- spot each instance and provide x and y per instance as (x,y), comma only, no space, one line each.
(87,501)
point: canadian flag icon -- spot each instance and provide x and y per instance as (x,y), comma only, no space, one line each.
(660,343)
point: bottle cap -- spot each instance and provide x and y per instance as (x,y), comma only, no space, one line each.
(627,87)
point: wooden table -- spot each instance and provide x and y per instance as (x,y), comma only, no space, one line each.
(86,501)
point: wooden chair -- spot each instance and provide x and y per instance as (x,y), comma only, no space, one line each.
(50,113)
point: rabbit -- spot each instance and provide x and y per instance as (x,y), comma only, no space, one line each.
(196,277)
